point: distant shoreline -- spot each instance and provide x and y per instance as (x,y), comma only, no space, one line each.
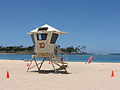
(64,53)
(16,53)
(32,53)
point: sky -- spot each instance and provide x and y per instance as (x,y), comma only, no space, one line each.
(91,23)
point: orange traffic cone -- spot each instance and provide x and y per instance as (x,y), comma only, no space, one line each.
(49,62)
(27,64)
(112,75)
(7,76)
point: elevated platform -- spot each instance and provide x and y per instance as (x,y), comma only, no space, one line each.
(54,62)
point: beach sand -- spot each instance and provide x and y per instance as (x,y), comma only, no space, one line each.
(81,76)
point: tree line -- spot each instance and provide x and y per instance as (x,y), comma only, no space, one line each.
(30,49)
(16,49)
(72,49)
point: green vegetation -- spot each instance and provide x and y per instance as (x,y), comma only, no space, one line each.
(16,49)
(72,49)
(30,49)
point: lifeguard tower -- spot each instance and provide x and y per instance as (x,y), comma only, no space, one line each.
(44,39)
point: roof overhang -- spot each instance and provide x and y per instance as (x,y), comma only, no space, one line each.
(46,29)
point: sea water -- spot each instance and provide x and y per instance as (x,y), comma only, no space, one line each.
(70,58)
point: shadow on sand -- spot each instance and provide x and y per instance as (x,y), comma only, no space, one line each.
(50,71)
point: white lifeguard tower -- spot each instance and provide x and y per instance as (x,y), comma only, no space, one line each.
(44,39)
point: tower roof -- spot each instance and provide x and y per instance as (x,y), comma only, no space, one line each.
(48,28)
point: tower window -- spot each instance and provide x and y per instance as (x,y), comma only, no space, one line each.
(54,38)
(42,36)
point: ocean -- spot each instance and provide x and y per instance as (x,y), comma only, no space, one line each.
(69,58)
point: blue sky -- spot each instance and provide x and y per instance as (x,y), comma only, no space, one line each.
(93,23)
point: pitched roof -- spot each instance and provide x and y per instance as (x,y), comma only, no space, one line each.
(45,27)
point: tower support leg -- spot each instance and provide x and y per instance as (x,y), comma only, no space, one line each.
(53,66)
(41,64)
(36,64)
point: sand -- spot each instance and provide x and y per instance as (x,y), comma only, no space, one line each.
(81,76)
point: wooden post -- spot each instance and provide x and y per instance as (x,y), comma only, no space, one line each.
(41,64)
(53,67)
(36,64)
